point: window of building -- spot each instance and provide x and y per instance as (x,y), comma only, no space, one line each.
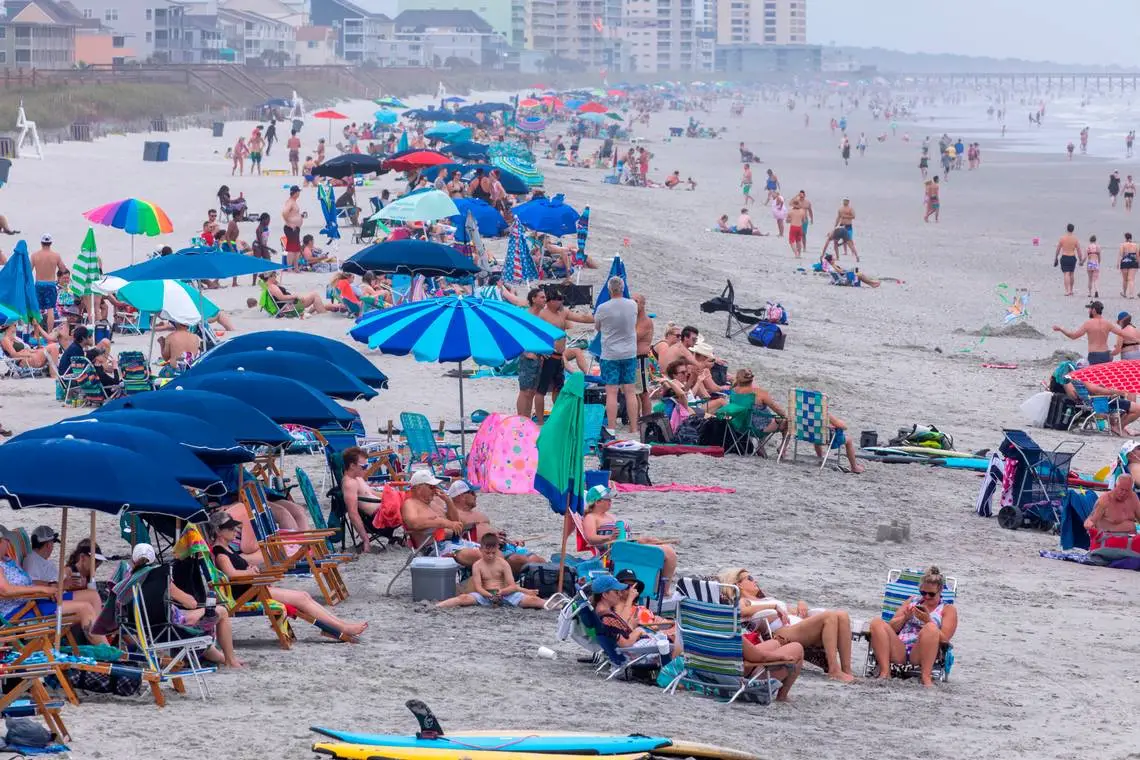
(111,14)
(3,56)
(149,36)
(149,14)
(312,44)
(3,32)
(770,38)
(117,42)
(23,56)
(87,13)
(249,26)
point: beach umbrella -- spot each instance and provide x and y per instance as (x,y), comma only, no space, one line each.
(489,221)
(203,440)
(195,264)
(592,107)
(132,216)
(616,93)
(456,329)
(416,159)
(529,103)
(390,102)
(511,182)
(410,257)
(449,131)
(344,356)
(512,148)
(349,164)
(595,118)
(385,116)
(617,269)
(524,170)
(321,374)
(18,287)
(553,102)
(454,99)
(468,235)
(332,116)
(615,116)
(427,206)
(163,454)
(531,124)
(1122,376)
(561,472)
(549,215)
(466,150)
(283,400)
(573,104)
(85,272)
(583,225)
(329,211)
(518,264)
(231,417)
(173,299)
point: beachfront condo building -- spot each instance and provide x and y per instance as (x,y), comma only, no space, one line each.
(506,17)
(761,22)
(585,32)
(659,35)
(455,39)
(38,34)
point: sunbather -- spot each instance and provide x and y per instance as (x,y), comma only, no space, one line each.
(234,566)
(493,582)
(601,529)
(310,302)
(31,357)
(830,629)
(844,277)
(920,625)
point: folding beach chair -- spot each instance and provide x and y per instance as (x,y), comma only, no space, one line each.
(740,319)
(595,420)
(267,303)
(1093,414)
(713,651)
(135,373)
(699,589)
(808,423)
(16,370)
(647,563)
(578,622)
(903,585)
(131,322)
(738,432)
(424,447)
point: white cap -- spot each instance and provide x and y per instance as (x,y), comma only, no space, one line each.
(460,487)
(45,239)
(424,477)
(703,349)
(143,551)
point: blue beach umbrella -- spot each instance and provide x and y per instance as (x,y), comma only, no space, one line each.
(550,215)
(455,329)
(385,116)
(449,131)
(163,454)
(195,264)
(231,417)
(467,150)
(617,269)
(521,168)
(203,440)
(487,218)
(410,257)
(100,477)
(321,374)
(18,287)
(454,99)
(281,399)
(344,356)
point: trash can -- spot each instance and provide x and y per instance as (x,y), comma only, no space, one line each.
(297,124)
(219,127)
(433,578)
(150,151)
(163,151)
(5,167)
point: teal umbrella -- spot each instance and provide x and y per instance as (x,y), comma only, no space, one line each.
(449,131)
(174,299)
(18,287)
(561,474)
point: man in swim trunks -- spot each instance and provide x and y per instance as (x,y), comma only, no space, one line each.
(1067,253)
(530,365)
(294,146)
(933,205)
(47,265)
(1116,511)
(464,496)
(746,184)
(845,217)
(256,146)
(644,331)
(744,224)
(809,214)
(422,519)
(293,218)
(1096,328)
(797,218)
(552,374)
(839,237)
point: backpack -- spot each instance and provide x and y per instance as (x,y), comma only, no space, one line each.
(776,313)
(689,431)
(767,335)
(543,578)
(655,428)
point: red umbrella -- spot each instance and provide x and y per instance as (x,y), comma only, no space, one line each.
(592,107)
(616,93)
(330,115)
(417,159)
(553,102)
(528,103)
(1121,376)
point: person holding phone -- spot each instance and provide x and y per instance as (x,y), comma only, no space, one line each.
(917,629)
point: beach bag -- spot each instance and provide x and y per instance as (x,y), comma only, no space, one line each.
(689,431)
(670,671)
(655,428)
(105,683)
(1061,411)
(391,502)
(775,313)
(626,466)
(543,578)
(767,335)
(25,732)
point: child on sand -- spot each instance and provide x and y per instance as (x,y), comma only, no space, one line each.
(493,581)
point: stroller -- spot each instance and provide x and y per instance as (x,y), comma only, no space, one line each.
(740,319)
(1039,482)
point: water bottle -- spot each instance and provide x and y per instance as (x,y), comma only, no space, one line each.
(211,605)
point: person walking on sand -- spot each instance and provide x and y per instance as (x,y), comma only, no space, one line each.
(47,268)
(933,205)
(1128,140)
(845,218)
(293,218)
(746,185)
(241,150)
(1129,192)
(1114,186)
(294,147)
(1128,263)
(809,213)
(796,223)
(1070,148)
(1096,329)
(779,213)
(270,135)
(845,150)
(256,146)
(1092,266)
(1067,253)
(772,185)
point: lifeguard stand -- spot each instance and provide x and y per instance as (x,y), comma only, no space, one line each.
(27,130)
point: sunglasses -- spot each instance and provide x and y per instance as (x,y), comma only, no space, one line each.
(929,594)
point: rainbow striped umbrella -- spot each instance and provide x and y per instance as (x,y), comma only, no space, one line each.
(134,217)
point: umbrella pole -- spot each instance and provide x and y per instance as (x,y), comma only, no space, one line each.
(462,416)
(59,586)
(565,536)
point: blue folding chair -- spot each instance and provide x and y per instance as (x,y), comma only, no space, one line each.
(647,563)
(424,447)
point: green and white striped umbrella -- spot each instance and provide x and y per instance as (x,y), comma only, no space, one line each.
(86,272)
(522,169)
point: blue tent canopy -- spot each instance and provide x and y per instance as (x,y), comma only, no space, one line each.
(203,440)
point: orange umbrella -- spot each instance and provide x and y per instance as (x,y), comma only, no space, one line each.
(330,115)
(592,107)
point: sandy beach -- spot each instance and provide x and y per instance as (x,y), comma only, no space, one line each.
(1041,644)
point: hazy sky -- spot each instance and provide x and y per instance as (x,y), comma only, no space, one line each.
(1096,32)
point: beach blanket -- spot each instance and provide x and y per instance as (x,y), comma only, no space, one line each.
(676,449)
(633,488)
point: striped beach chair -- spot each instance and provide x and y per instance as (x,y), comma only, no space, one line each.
(135,372)
(713,652)
(903,585)
(808,423)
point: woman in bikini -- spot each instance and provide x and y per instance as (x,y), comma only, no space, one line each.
(1129,192)
(25,355)
(1092,265)
(1128,343)
(779,213)
(672,338)
(1128,263)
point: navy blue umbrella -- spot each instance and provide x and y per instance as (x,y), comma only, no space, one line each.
(549,215)
(348,164)
(163,454)
(231,417)
(203,440)
(93,476)
(281,399)
(195,264)
(427,114)
(344,356)
(323,375)
(411,257)
(466,150)
(431,172)
(490,222)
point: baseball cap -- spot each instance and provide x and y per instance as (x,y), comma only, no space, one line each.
(44,534)
(1096,306)
(629,578)
(460,487)
(45,239)
(84,547)
(424,477)
(143,551)
(1122,315)
(603,583)
(597,493)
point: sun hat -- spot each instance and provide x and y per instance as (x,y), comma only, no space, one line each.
(703,349)
(424,477)
(597,493)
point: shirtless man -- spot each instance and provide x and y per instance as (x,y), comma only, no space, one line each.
(681,349)
(360,501)
(933,204)
(1067,253)
(644,330)
(293,218)
(845,218)
(179,343)
(1096,328)
(796,220)
(1116,511)
(210,227)
(421,519)
(47,265)
(552,373)
(256,147)
(464,496)
(294,146)
(529,364)
(809,213)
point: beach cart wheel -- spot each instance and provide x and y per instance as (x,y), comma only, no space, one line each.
(1009,517)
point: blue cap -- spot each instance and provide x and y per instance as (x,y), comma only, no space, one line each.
(603,583)
(1122,315)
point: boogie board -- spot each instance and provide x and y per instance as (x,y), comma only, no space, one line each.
(343,751)
(676,749)
(962,463)
(557,744)
(923,451)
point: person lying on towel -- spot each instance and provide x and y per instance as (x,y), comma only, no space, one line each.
(1116,512)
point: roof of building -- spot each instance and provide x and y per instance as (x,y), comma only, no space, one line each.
(358,11)
(420,20)
(50,12)
(313,33)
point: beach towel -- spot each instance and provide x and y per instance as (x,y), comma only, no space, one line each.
(675,449)
(994,475)
(633,488)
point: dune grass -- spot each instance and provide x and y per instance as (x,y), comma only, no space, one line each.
(55,107)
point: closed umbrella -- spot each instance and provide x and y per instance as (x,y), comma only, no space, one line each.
(550,215)
(18,287)
(617,269)
(134,217)
(455,329)
(583,225)
(344,356)
(328,210)
(524,170)
(425,206)
(410,257)
(230,417)
(195,264)
(283,400)
(85,272)
(205,441)
(490,222)
(518,264)
(561,472)
(321,374)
